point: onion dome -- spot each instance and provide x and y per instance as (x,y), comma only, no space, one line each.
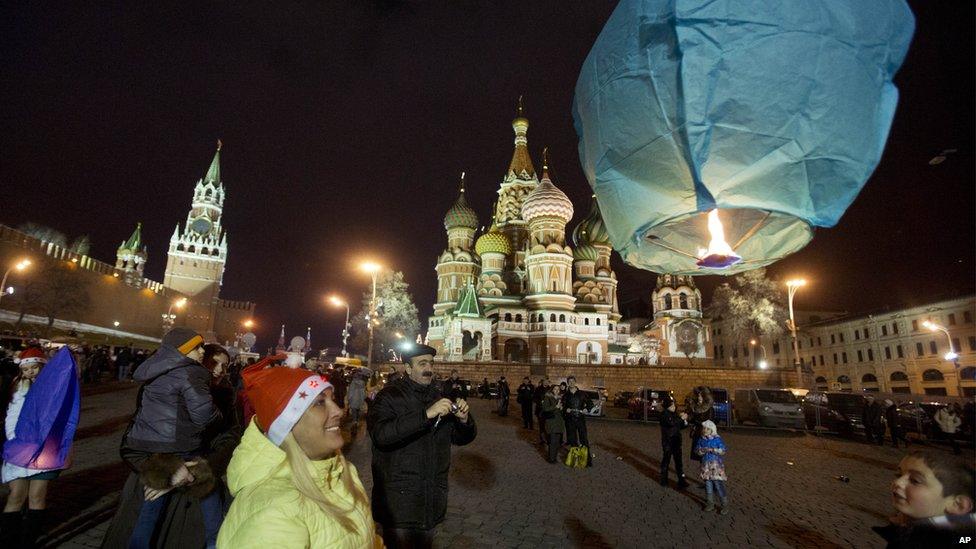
(460,214)
(592,230)
(493,242)
(586,252)
(546,199)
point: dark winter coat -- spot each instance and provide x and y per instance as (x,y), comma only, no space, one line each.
(554,423)
(175,405)
(526,394)
(944,531)
(411,459)
(891,415)
(872,414)
(574,403)
(503,390)
(181,526)
(671,426)
(453,389)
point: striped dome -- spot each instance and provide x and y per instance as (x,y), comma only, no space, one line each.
(547,200)
(586,252)
(592,229)
(461,215)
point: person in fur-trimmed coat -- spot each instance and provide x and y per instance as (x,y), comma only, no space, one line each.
(712,450)
(699,408)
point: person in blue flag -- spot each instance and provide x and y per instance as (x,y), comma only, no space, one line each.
(40,426)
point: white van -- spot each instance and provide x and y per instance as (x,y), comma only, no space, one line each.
(768,407)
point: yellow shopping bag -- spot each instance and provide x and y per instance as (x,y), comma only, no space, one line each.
(577,457)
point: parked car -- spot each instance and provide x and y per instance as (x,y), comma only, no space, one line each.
(646,403)
(599,402)
(915,418)
(838,411)
(722,406)
(768,407)
(622,398)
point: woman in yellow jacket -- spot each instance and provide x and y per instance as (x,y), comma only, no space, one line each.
(292,487)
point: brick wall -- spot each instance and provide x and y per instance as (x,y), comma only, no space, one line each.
(680,379)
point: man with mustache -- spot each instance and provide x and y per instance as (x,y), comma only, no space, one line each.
(412,428)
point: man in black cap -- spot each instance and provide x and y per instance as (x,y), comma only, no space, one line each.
(412,427)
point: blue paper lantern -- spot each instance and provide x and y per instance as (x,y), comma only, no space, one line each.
(773,112)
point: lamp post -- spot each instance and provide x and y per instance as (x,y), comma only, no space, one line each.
(762,363)
(19,266)
(372,269)
(952,355)
(792,286)
(345,327)
(169,317)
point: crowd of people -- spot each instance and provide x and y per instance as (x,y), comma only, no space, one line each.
(948,421)
(231,453)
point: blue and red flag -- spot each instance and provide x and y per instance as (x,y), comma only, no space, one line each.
(46,426)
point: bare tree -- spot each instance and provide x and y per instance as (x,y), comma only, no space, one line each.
(751,306)
(58,289)
(44,233)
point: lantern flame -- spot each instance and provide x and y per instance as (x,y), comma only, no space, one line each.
(719,254)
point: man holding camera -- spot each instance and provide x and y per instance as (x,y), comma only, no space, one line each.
(413,427)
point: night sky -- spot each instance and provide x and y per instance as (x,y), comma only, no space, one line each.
(345,129)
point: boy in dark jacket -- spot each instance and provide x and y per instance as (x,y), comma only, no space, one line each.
(933,495)
(671,426)
(174,409)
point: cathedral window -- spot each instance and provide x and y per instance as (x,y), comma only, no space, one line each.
(562,318)
(586,322)
(508,317)
(683,300)
(552,317)
(518,318)
(667,301)
(598,322)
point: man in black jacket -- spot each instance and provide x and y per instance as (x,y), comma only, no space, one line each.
(504,393)
(872,416)
(575,402)
(540,393)
(413,428)
(526,392)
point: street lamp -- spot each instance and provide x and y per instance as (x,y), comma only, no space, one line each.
(762,363)
(372,269)
(116,324)
(19,267)
(792,286)
(248,324)
(952,355)
(169,317)
(345,327)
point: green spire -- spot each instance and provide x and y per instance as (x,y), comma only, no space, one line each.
(467,304)
(213,174)
(135,241)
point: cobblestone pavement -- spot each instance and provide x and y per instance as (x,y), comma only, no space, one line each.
(782,487)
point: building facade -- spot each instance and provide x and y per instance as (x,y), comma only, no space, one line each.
(678,331)
(892,351)
(519,292)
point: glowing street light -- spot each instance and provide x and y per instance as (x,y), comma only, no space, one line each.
(116,324)
(761,363)
(792,286)
(373,269)
(952,355)
(248,324)
(20,266)
(169,317)
(335,300)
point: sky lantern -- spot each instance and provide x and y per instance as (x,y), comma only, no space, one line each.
(717,134)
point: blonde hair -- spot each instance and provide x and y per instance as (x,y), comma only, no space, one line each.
(306,486)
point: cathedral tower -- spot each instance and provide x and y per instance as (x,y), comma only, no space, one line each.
(198,251)
(518,182)
(458,265)
(548,261)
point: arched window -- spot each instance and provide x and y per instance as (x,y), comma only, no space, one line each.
(552,317)
(968,373)
(821,379)
(562,318)
(683,300)
(518,317)
(869,378)
(667,301)
(932,375)
(843,379)
(508,317)
(586,322)
(899,376)
(598,322)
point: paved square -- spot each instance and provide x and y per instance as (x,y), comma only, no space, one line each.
(782,487)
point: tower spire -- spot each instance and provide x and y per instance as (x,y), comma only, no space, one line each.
(521,166)
(213,173)
(462,182)
(281,340)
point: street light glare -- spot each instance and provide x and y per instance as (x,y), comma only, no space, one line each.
(180,302)
(336,301)
(796,282)
(23,264)
(929,325)
(248,323)
(950,356)
(370,267)
(763,364)
(752,342)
